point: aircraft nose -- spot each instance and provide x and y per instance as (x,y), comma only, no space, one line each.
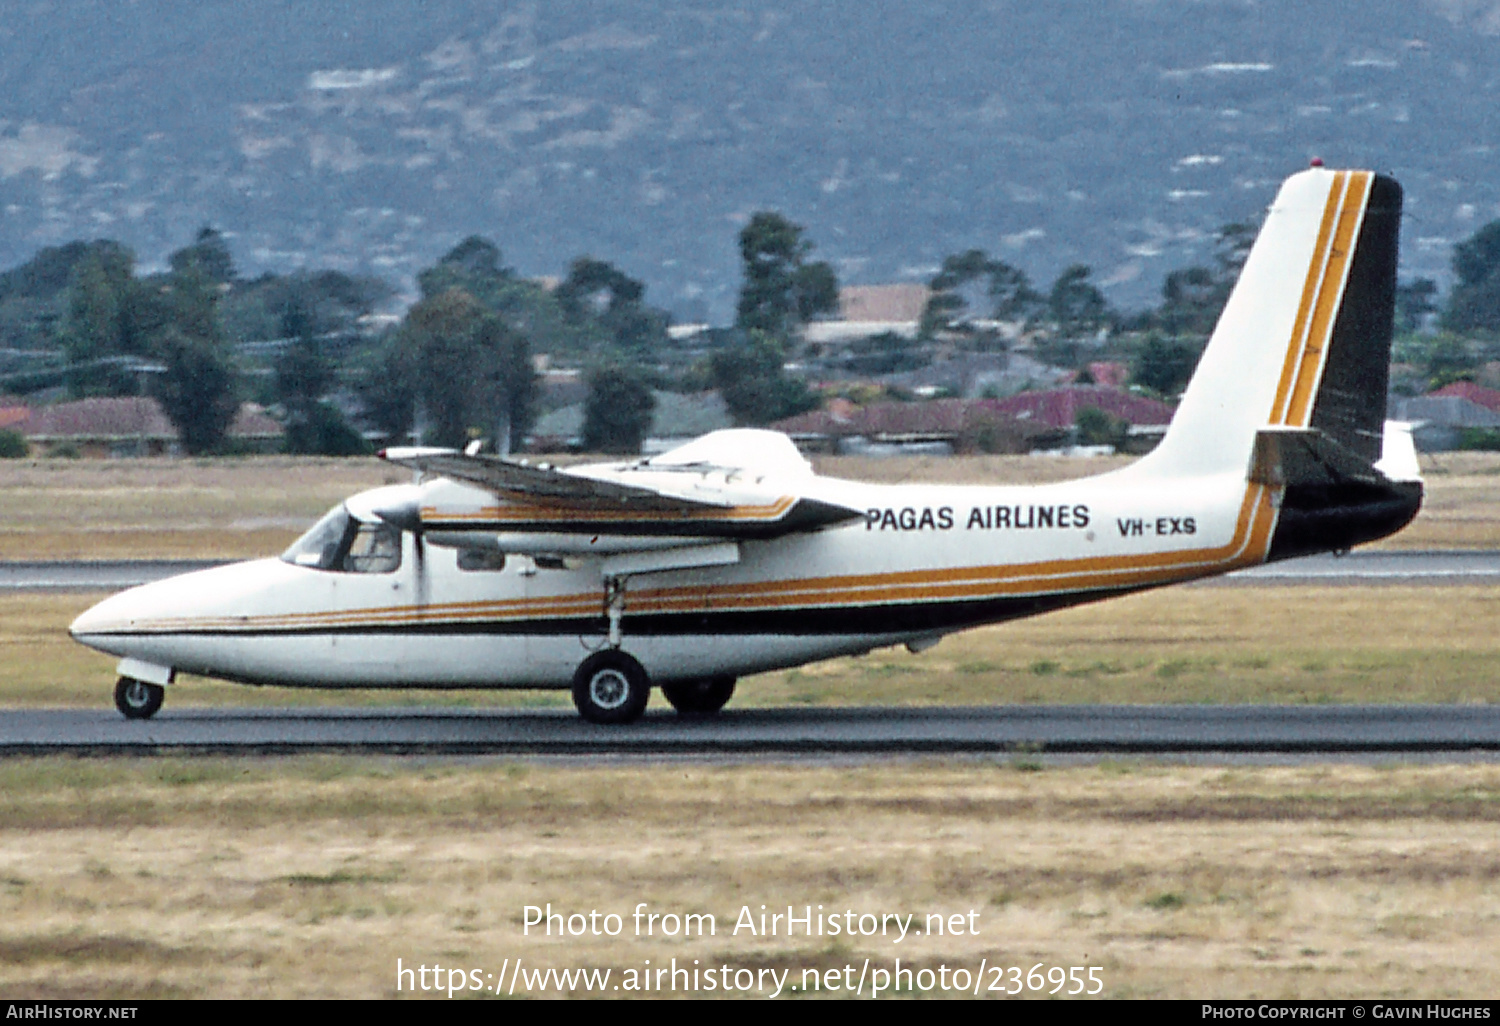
(101,617)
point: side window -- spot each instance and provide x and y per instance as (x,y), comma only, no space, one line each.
(376,549)
(481,559)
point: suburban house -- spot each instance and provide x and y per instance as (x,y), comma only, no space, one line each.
(1019,424)
(866,311)
(130,426)
(1441,418)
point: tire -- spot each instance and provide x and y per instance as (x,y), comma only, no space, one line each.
(700,697)
(610,687)
(138,700)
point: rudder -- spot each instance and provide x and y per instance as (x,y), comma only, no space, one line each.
(1304,340)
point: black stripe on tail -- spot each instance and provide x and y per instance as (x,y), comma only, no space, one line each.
(1350,405)
(1351,400)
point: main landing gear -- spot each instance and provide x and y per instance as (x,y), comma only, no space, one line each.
(137,699)
(610,687)
(699,697)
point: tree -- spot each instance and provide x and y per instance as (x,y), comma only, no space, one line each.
(209,255)
(526,307)
(617,413)
(176,315)
(781,290)
(303,374)
(1093,426)
(1416,301)
(387,389)
(1164,365)
(94,326)
(1075,306)
(469,371)
(970,285)
(196,390)
(1449,358)
(754,383)
(1474,303)
(324,431)
(441,331)
(601,299)
(886,353)
(1194,297)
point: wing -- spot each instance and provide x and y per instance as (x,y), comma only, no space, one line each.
(514,480)
(673,501)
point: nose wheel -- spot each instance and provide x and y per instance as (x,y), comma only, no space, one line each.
(610,687)
(138,700)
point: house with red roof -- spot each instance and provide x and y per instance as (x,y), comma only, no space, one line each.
(1058,407)
(1489,398)
(131,426)
(1020,423)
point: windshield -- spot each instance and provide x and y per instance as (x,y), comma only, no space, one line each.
(339,542)
(321,546)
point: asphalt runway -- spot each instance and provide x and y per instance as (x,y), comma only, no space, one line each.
(992,730)
(1043,730)
(1357,568)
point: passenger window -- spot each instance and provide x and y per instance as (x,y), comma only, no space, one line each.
(376,549)
(481,559)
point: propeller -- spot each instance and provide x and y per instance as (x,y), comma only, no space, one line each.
(419,553)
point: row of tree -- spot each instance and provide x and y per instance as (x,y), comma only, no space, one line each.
(460,362)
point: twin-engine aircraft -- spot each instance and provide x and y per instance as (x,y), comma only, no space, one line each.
(729,556)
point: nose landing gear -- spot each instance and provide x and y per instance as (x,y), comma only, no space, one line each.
(138,700)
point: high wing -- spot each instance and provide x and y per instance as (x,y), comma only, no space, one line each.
(518,481)
(729,485)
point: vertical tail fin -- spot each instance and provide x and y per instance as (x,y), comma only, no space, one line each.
(1304,341)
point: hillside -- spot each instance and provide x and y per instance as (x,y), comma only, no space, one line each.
(370,137)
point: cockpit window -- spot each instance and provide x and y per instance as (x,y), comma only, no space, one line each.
(324,543)
(339,542)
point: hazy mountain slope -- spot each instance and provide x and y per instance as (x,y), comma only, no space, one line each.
(372,135)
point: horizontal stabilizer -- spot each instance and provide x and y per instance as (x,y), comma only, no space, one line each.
(1287,457)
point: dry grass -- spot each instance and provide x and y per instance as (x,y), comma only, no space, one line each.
(311,877)
(1185,644)
(161,508)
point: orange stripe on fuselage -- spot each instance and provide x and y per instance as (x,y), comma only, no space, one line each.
(434,517)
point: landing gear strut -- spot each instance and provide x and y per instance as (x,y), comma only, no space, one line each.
(138,700)
(699,697)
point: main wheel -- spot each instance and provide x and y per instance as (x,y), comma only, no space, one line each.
(610,687)
(704,695)
(137,699)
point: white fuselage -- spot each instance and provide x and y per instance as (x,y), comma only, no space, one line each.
(729,556)
(925,561)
